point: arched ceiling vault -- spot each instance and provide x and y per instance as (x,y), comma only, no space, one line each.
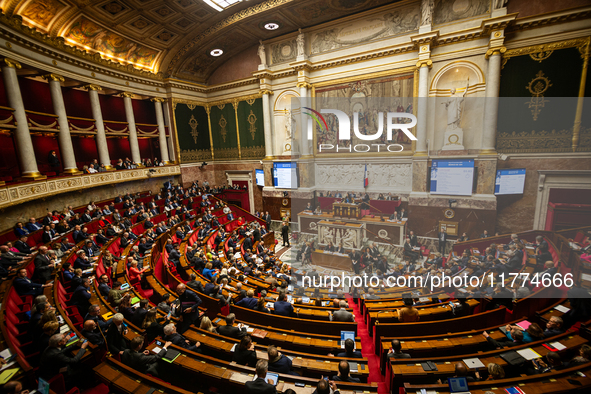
(173,38)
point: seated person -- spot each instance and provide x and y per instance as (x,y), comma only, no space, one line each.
(229,330)
(260,385)
(245,353)
(177,339)
(343,375)
(409,313)
(396,350)
(350,351)
(553,327)
(326,387)
(516,335)
(144,362)
(278,362)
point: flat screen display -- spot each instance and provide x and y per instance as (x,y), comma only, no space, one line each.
(260,175)
(511,181)
(452,177)
(285,175)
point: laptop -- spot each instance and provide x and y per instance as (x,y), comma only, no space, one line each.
(458,385)
(346,335)
(271,377)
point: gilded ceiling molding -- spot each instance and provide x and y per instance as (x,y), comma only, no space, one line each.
(15,22)
(157,100)
(552,46)
(232,19)
(12,63)
(54,77)
(529,22)
(92,87)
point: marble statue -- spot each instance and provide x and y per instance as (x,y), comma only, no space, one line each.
(300,43)
(289,119)
(454,135)
(426,12)
(454,107)
(349,240)
(261,53)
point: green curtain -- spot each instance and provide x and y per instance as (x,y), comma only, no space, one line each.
(251,126)
(223,132)
(538,101)
(193,133)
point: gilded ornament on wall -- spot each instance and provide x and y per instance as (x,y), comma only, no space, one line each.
(194,133)
(223,123)
(251,121)
(537,87)
(191,106)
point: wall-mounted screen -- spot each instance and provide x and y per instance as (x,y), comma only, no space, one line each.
(285,175)
(452,177)
(260,175)
(510,181)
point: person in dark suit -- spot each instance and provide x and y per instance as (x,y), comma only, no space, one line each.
(81,297)
(350,351)
(92,332)
(43,266)
(245,353)
(260,385)
(116,335)
(140,313)
(22,246)
(103,286)
(414,242)
(285,233)
(342,314)
(396,350)
(442,238)
(409,252)
(177,339)
(248,242)
(343,375)
(484,234)
(189,307)
(278,362)
(281,307)
(249,302)
(143,362)
(229,330)
(267,218)
(24,286)
(55,357)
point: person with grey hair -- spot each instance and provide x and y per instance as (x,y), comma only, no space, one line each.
(56,357)
(177,339)
(116,335)
(143,362)
(342,314)
(260,385)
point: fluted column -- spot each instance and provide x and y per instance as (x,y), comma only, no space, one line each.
(133,142)
(304,119)
(269,143)
(161,130)
(421,143)
(491,103)
(64,137)
(101,136)
(24,144)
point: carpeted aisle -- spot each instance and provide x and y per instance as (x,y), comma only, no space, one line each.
(368,349)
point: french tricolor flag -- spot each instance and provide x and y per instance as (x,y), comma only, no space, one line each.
(366,177)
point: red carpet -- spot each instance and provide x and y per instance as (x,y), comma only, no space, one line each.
(368,349)
(100,389)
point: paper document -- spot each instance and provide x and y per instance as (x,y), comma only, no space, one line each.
(528,354)
(473,363)
(562,308)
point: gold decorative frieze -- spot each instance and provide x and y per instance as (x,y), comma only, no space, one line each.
(539,51)
(19,193)
(553,141)
(195,155)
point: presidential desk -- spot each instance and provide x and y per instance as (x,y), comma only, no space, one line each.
(372,228)
(376,207)
(335,261)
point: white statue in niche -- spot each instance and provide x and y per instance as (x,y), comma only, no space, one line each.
(289,120)
(454,135)
(261,53)
(300,43)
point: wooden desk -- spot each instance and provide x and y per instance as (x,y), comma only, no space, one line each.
(332,260)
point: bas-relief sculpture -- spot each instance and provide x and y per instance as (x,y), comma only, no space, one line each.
(426,12)
(283,52)
(451,10)
(381,176)
(86,33)
(392,23)
(350,237)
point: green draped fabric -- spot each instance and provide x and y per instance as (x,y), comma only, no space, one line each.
(193,133)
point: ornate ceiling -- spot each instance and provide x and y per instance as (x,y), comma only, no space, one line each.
(173,37)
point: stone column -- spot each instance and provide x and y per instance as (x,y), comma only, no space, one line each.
(171,131)
(64,137)
(133,142)
(305,148)
(24,144)
(269,143)
(422,108)
(491,103)
(101,137)
(161,130)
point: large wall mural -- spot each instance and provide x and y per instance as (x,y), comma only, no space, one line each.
(368,97)
(446,11)
(88,34)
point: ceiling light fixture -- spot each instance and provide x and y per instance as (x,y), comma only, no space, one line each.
(216,52)
(271,26)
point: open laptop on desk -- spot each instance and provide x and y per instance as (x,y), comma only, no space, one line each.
(346,335)
(458,385)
